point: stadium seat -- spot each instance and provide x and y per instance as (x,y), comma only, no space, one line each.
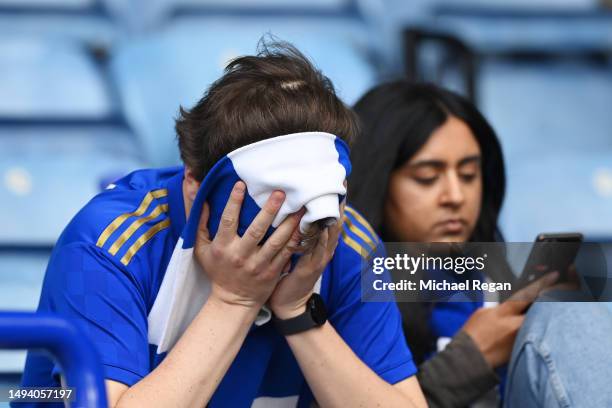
(21,276)
(46,174)
(539,109)
(49,173)
(58,4)
(490,29)
(82,20)
(50,79)
(158,73)
(60,137)
(150,15)
(561,192)
(260,7)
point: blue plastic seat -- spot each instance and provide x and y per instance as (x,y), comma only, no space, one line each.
(158,73)
(542,109)
(21,276)
(560,192)
(543,29)
(82,20)
(48,174)
(265,4)
(51,79)
(60,135)
(150,15)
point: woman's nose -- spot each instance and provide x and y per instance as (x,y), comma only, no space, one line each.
(453,194)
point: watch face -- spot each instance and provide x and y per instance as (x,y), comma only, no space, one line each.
(317,309)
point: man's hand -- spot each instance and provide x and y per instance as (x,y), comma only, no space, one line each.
(293,291)
(241,271)
(494,329)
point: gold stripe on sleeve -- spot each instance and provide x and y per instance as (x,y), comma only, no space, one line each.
(127,234)
(363,221)
(359,232)
(354,244)
(142,208)
(143,240)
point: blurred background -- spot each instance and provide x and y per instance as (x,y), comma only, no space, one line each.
(89,90)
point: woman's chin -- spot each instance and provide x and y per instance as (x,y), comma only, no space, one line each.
(449,238)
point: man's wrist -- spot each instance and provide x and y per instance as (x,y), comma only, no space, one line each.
(289,312)
(248,310)
(299,319)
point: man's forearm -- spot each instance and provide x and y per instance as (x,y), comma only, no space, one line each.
(338,378)
(195,366)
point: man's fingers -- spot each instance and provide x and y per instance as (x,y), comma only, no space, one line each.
(310,262)
(228,224)
(518,302)
(334,235)
(258,228)
(291,247)
(320,250)
(203,234)
(279,240)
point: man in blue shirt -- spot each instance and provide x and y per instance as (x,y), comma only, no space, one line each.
(109,263)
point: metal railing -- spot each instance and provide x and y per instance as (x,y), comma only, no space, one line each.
(67,345)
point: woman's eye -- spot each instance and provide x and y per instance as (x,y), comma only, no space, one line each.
(468,177)
(426,181)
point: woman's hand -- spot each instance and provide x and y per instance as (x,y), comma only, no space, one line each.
(241,271)
(494,329)
(293,291)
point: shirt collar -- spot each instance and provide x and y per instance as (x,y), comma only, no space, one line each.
(176,202)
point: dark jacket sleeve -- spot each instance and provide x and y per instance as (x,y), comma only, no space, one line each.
(456,376)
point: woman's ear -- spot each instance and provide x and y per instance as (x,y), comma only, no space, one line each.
(191,185)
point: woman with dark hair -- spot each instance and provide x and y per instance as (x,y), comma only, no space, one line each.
(429,168)
(403,117)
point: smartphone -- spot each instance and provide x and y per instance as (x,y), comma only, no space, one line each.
(551,252)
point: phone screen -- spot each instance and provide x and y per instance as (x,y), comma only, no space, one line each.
(551,252)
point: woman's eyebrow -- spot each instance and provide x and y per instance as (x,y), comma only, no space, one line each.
(469,159)
(438,164)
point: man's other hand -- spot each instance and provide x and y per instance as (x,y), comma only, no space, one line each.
(241,271)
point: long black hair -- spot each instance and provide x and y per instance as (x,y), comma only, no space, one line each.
(397,119)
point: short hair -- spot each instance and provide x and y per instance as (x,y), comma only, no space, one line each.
(278,91)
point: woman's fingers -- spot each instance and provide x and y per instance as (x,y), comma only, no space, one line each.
(258,228)
(519,301)
(228,224)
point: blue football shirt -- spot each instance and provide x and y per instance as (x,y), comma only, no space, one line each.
(107,267)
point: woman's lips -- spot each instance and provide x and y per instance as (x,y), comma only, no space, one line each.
(452,226)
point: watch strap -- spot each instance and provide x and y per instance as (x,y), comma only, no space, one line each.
(315,315)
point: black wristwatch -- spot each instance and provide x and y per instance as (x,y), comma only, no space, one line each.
(314,316)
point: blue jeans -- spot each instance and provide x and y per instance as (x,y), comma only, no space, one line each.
(562,357)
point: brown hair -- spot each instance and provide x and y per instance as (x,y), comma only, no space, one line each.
(276,92)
